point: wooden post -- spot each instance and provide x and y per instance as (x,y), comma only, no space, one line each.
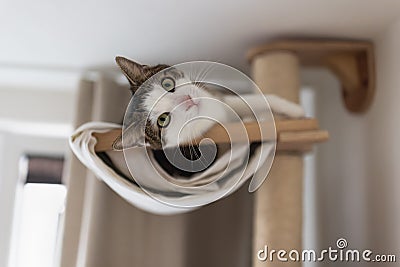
(278,202)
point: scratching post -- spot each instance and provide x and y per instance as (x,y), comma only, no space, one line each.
(278,202)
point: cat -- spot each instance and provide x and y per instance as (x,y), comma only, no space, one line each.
(161,110)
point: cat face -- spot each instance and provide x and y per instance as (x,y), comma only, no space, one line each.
(167,108)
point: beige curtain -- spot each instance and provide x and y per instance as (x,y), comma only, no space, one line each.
(101,229)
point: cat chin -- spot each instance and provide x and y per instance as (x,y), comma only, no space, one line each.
(187,134)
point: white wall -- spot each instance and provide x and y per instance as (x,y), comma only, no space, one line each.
(358,170)
(340,166)
(383,145)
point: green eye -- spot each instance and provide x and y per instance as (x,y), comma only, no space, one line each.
(163,120)
(168,84)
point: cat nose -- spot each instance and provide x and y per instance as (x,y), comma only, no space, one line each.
(188,102)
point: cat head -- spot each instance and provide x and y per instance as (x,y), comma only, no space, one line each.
(164,107)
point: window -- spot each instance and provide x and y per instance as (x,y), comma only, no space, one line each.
(41,203)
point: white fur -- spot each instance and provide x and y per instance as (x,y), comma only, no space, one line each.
(247,104)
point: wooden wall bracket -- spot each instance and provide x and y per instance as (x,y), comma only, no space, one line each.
(351,61)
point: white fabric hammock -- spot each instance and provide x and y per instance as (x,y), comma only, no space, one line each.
(83,144)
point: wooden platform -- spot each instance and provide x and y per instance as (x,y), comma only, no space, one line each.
(292,135)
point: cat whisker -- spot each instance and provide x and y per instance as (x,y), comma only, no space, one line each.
(198,76)
(203,73)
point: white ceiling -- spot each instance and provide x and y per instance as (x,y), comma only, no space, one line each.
(79,34)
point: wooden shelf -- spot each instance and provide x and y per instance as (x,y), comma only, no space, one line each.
(292,135)
(352,62)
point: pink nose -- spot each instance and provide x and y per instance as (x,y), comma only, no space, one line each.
(188,101)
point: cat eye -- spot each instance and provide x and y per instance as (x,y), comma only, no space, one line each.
(163,120)
(168,84)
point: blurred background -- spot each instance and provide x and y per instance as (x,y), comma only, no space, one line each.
(48,47)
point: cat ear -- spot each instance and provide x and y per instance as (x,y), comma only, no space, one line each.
(132,138)
(133,71)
